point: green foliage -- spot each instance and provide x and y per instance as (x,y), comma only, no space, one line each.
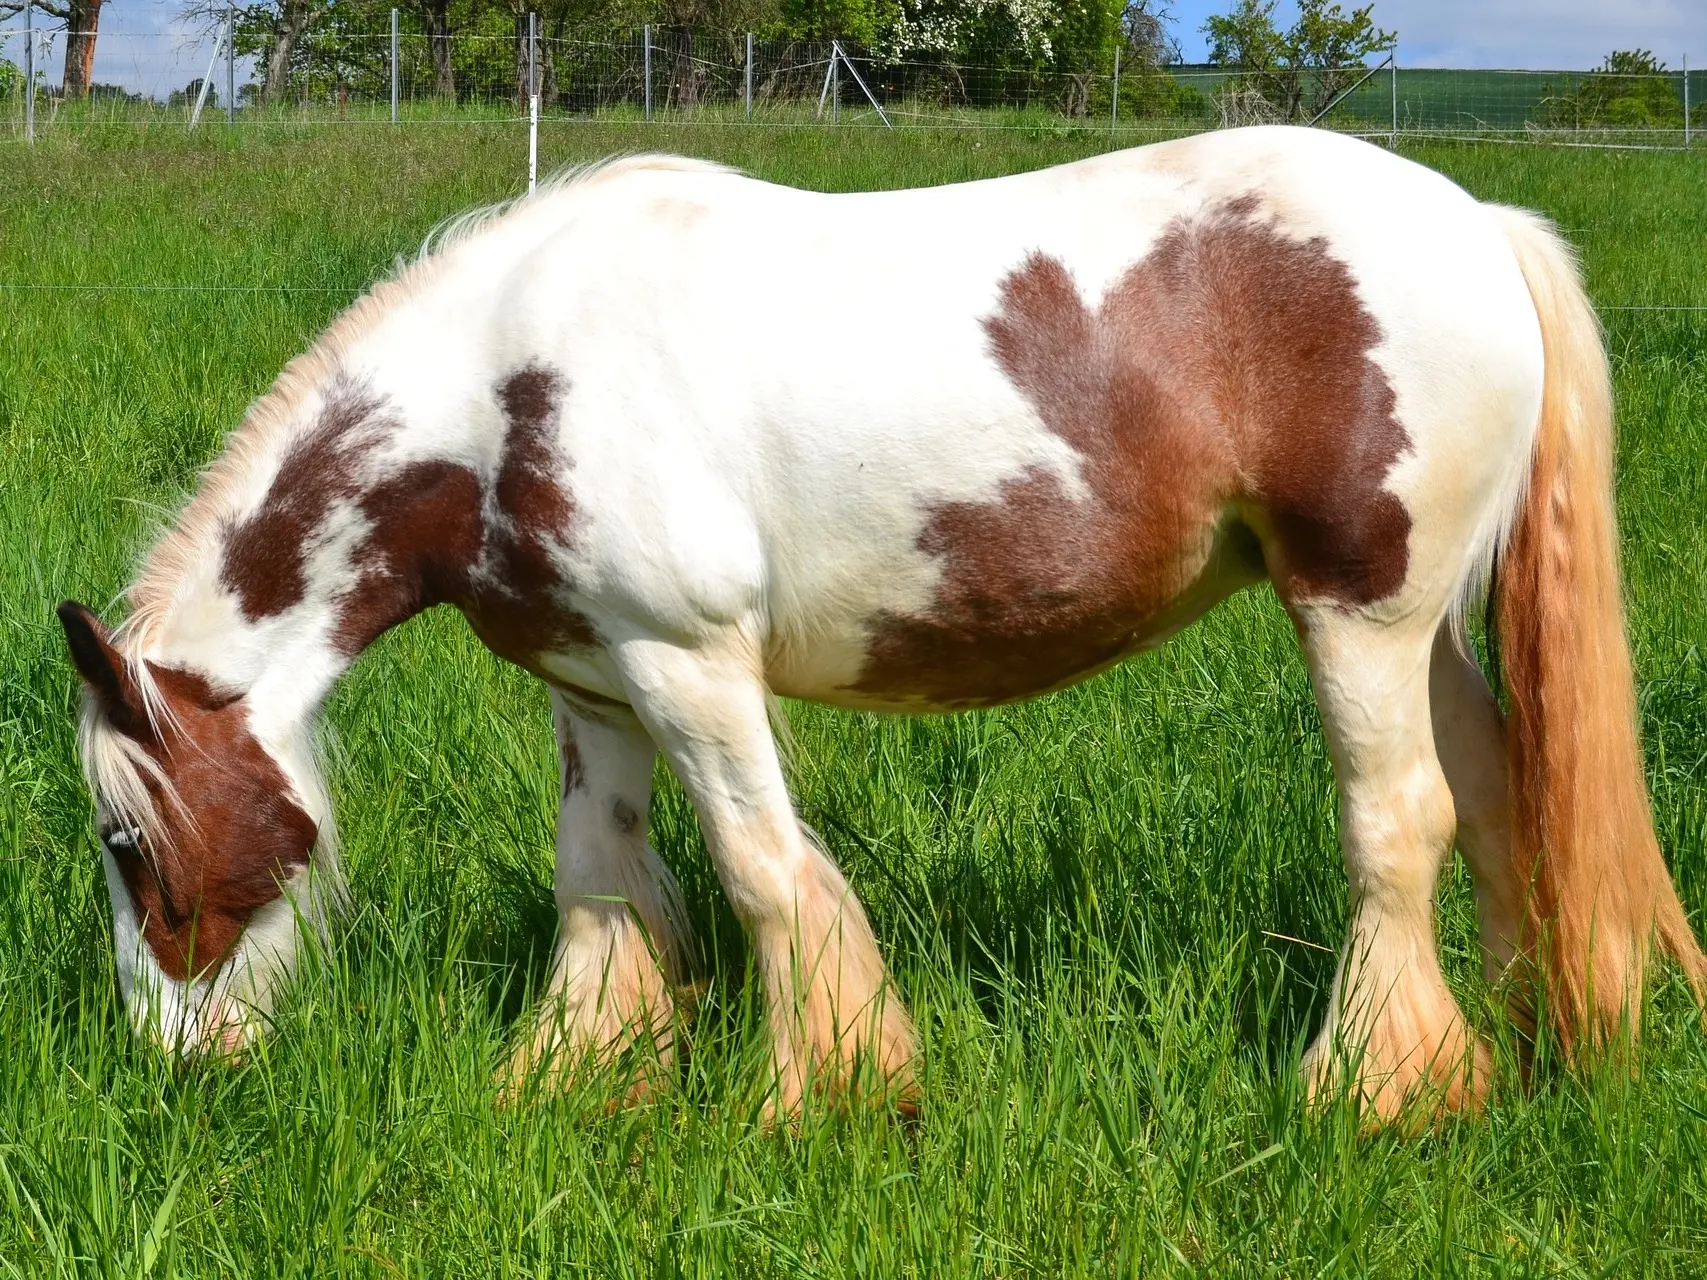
(1631,89)
(1112,910)
(1298,72)
(862,22)
(11,79)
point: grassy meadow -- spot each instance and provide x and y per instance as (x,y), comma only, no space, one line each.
(1111,911)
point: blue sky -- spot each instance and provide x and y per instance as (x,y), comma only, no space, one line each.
(145,47)
(1542,34)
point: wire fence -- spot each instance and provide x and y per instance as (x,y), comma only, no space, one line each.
(407,76)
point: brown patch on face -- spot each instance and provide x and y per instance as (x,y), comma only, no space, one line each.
(1226,372)
(266,554)
(226,852)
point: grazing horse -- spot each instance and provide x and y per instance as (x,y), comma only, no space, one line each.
(674,440)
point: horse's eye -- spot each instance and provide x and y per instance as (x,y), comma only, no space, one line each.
(122,839)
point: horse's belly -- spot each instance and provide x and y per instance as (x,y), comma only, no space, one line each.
(1032,615)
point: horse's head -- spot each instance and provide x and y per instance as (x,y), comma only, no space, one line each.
(207,836)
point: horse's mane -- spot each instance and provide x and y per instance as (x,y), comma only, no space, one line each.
(116,765)
(271,416)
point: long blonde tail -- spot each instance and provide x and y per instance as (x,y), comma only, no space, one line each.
(1582,831)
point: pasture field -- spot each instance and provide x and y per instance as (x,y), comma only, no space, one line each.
(1110,910)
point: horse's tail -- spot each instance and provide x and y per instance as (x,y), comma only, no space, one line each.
(1582,832)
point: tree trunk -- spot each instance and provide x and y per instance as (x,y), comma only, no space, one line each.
(547,74)
(82,20)
(292,20)
(435,16)
(522,85)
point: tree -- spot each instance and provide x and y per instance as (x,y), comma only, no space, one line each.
(81,21)
(1300,71)
(1631,89)
(268,30)
(1145,34)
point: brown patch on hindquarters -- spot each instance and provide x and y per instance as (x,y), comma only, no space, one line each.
(1229,370)
(223,848)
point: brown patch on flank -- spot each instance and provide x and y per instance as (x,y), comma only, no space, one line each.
(222,849)
(1227,372)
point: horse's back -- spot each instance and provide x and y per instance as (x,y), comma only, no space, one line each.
(957,445)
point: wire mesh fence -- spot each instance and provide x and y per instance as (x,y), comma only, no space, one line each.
(411,76)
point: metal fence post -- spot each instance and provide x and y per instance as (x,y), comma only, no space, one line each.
(394,66)
(230,62)
(533,101)
(750,76)
(29,71)
(835,80)
(1686,101)
(646,36)
(1393,63)
(1114,111)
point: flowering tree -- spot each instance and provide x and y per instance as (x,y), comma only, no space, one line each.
(1300,71)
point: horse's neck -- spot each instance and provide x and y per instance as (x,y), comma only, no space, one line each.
(348,502)
(274,572)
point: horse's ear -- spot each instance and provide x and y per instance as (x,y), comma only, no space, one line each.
(99,664)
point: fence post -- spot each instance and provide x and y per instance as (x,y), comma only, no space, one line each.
(230,62)
(1686,102)
(29,71)
(533,101)
(646,35)
(1393,65)
(394,66)
(835,81)
(1114,111)
(750,76)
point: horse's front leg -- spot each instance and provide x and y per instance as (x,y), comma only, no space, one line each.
(829,1003)
(622,938)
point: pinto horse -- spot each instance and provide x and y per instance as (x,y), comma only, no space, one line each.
(1046,422)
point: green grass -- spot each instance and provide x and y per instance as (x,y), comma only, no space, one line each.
(1106,908)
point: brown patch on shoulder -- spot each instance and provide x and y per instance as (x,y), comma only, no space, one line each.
(514,598)
(574,771)
(438,532)
(1228,371)
(425,537)
(227,851)
(266,554)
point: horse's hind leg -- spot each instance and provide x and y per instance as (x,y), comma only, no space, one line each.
(622,937)
(1391,1021)
(828,1001)
(1469,737)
